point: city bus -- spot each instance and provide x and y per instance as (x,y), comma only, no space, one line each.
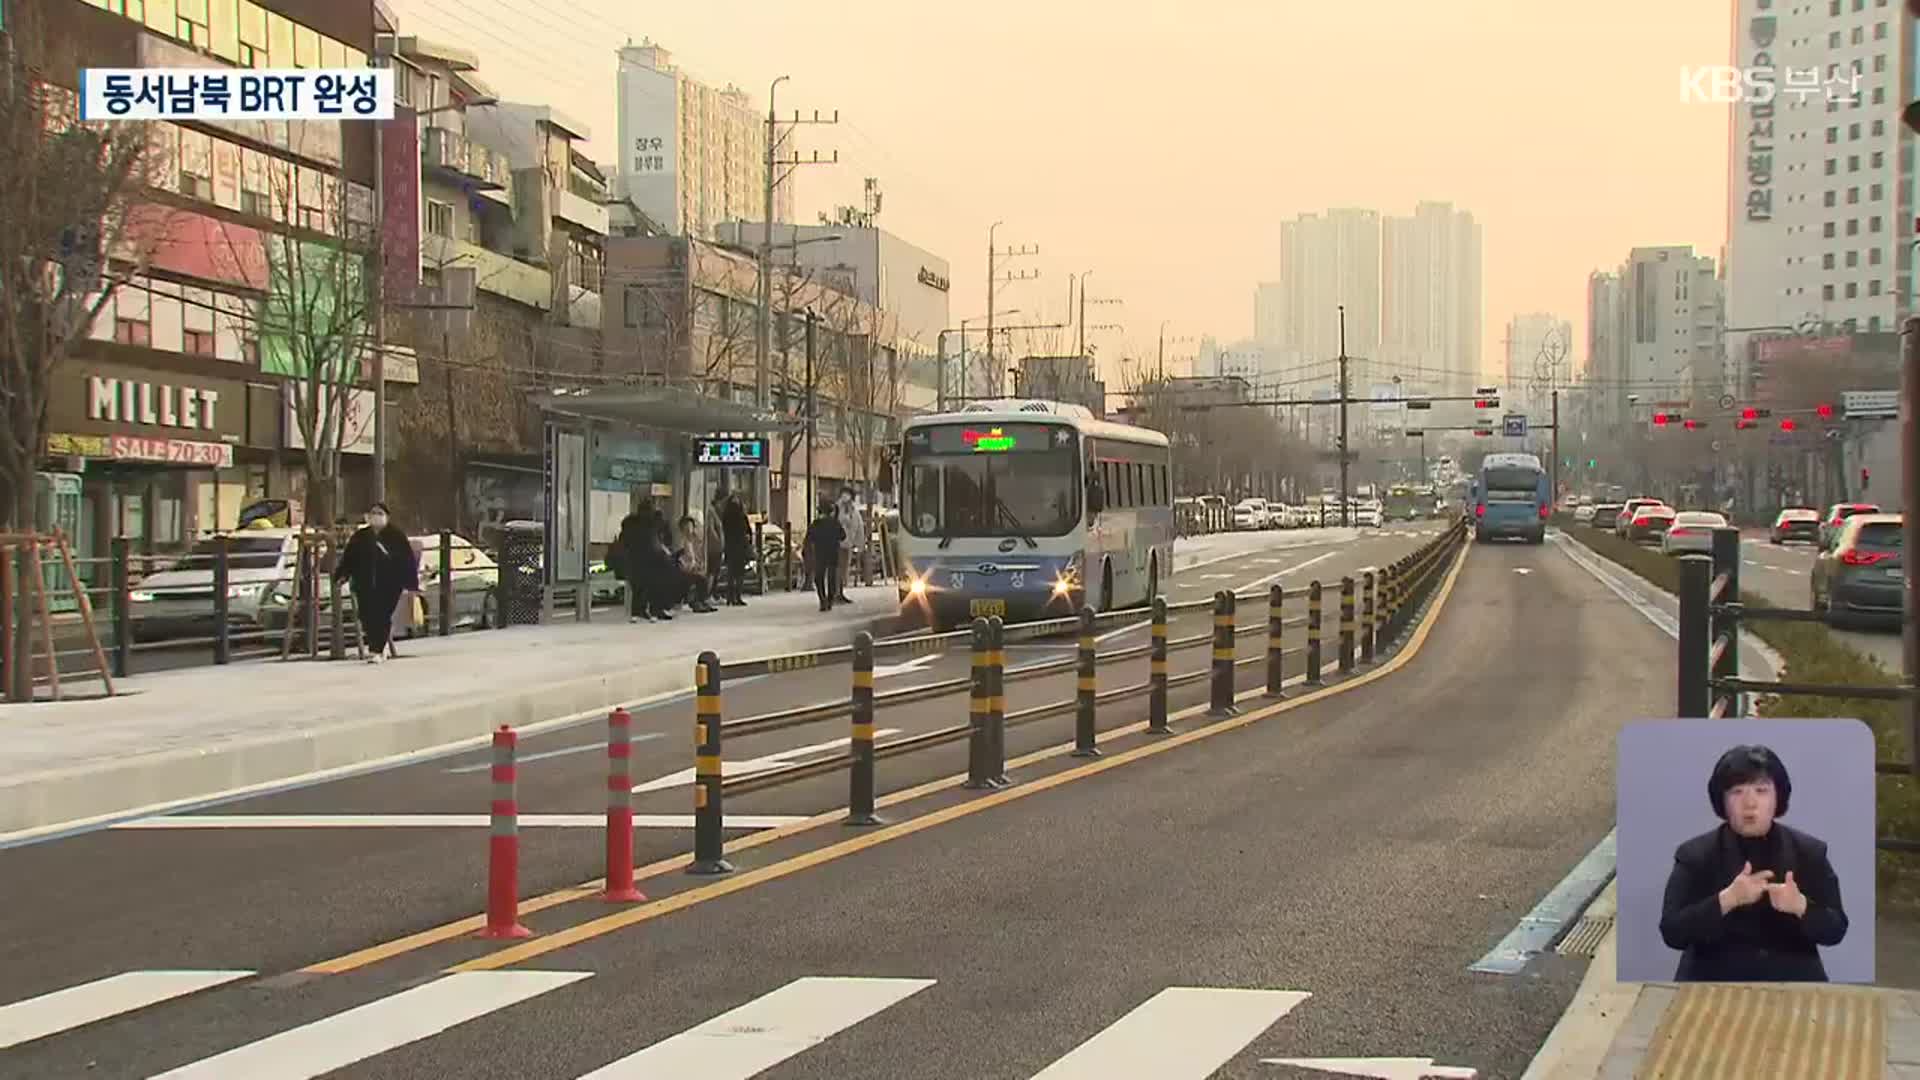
(1030,509)
(1403,504)
(1510,498)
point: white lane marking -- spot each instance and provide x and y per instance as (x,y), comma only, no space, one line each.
(1271,578)
(343,1039)
(882,671)
(766,1031)
(1381,1068)
(87,1003)
(440,821)
(755,765)
(1117,631)
(1216,577)
(522,759)
(1213,1025)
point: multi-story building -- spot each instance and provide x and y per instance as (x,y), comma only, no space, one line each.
(1270,313)
(1431,300)
(1820,188)
(691,155)
(1328,261)
(1655,330)
(175,413)
(1539,360)
(908,283)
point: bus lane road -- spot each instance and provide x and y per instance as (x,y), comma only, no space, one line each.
(281,880)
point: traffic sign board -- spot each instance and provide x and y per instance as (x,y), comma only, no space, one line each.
(1514,425)
(1871,404)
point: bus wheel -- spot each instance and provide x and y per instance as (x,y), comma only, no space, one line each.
(1106,587)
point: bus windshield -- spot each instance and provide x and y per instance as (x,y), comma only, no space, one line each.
(992,479)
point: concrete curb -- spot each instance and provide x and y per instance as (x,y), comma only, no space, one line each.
(57,799)
(1577,1047)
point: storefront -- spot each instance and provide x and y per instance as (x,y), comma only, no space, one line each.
(150,455)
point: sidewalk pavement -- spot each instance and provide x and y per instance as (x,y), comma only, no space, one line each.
(195,732)
(1626,1031)
(192,733)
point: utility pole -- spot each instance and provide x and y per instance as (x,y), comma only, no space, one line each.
(1080,346)
(763,320)
(999,382)
(1346,512)
(810,411)
(1556,444)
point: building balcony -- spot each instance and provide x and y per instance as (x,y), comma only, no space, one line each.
(451,156)
(580,212)
(501,275)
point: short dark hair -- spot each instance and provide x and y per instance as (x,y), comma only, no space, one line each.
(380,506)
(1744,765)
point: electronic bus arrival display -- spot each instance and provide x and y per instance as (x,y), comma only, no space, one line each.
(748,453)
(989,438)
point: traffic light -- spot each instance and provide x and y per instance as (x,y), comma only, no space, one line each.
(1481,433)
(1824,410)
(1866,478)
(1593,463)
(1415,433)
(1486,403)
(1661,419)
(1787,424)
(1418,404)
(1744,423)
(1752,413)
(1690,424)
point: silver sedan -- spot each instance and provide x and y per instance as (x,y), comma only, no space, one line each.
(1691,531)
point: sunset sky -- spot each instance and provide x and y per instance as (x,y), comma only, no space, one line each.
(1161,145)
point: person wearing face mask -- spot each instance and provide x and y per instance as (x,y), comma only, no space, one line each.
(378,563)
(1752,900)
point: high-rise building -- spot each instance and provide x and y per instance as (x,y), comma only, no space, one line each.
(1431,313)
(1820,200)
(691,155)
(1269,313)
(1327,261)
(1538,360)
(1655,332)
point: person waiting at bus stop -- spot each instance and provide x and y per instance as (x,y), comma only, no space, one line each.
(824,540)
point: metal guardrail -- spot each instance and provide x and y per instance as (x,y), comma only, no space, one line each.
(1708,662)
(1389,606)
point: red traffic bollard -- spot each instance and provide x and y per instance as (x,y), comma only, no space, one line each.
(620,810)
(503,846)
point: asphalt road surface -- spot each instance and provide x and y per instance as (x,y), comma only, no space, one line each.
(212,887)
(1781,574)
(1308,884)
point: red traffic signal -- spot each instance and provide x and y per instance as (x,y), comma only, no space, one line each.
(1690,424)
(1486,403)
(1482,432)
(1787,424)
(1744,423)
(1749,414)
(1661,419)
(1824,410)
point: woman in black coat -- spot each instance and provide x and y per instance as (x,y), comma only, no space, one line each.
(737,533)
(1753,900)
(379,564)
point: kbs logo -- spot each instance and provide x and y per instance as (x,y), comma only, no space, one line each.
(1724,84)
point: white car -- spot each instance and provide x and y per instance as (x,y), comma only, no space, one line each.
(1583,514)
(1691,531)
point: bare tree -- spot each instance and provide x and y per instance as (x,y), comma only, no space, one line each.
(72,230)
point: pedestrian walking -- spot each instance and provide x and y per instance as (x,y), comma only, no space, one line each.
(737,539)
(379,565)
(824,540)
(853,535)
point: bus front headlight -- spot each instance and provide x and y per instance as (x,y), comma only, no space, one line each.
(1069,577)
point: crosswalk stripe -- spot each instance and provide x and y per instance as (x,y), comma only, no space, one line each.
(87,1003)
(1213,1025)
(359,1033)
(766,1031)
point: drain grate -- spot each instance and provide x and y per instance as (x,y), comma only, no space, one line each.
(1585,937)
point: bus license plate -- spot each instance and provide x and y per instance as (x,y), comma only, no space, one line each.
(986,609)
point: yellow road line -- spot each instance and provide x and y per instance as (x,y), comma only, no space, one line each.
(459,928)
(655,909)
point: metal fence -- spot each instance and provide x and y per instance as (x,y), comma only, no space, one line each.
(1708,667)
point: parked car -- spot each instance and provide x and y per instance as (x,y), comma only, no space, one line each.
(177,601)
(1796,523)
(475,575)
(1837,514)
(1691,531)
(1650,523)
(1861,575)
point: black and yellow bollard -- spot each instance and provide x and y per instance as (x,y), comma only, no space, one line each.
(1314,632)
(1370,583)
(860,784)
(997,707)
(979,704)
(1383,619)
(1222,681)
(1276,641)
(1084,739)
(1157,681)
(1346,625)
(707,843)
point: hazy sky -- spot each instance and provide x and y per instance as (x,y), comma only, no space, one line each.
(1162,144)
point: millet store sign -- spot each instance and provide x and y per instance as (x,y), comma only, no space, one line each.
(128,401)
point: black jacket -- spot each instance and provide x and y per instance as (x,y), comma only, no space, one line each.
(825,536)
(1754,943)
(639,549)
(736,529)
(379,564)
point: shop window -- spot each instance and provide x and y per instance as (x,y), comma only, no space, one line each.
(197,342)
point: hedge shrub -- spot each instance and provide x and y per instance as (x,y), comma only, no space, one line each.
(1813,655)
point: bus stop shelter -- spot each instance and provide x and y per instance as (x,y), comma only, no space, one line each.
(607,446)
